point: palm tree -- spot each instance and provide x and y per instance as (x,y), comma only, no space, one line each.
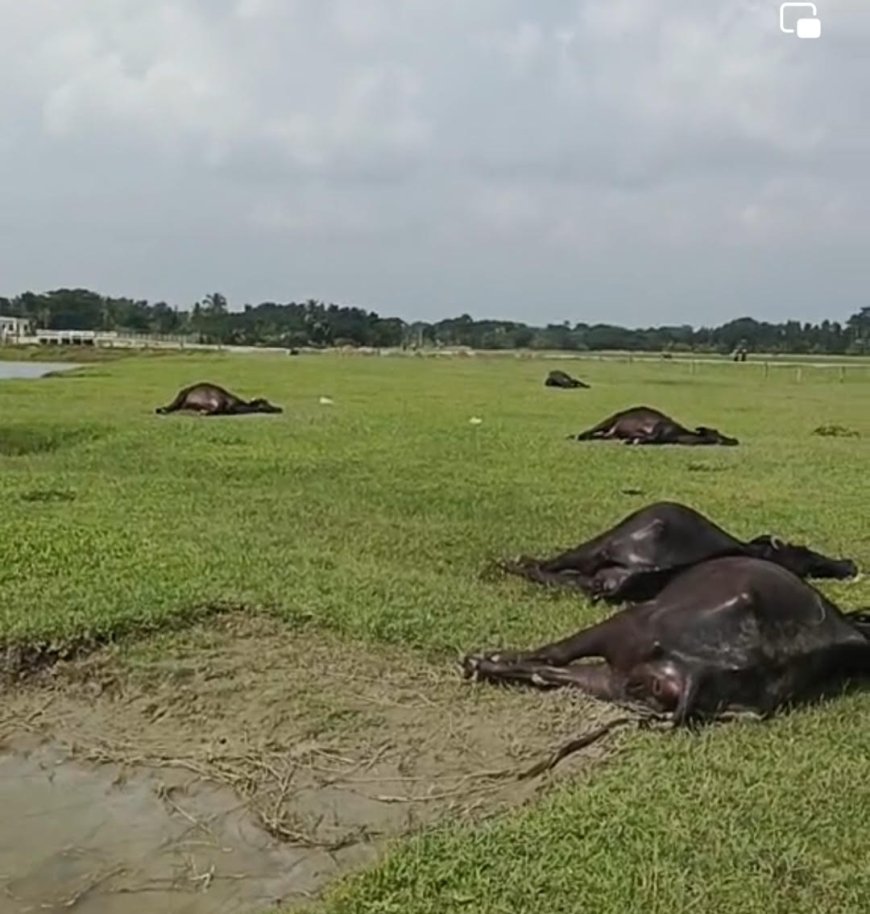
(215,303)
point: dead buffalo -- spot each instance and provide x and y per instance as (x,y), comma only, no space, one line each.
(645,425)
(213,400)
(559,378)
(731,634)
(634,559)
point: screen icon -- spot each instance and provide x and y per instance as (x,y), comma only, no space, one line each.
(805,26)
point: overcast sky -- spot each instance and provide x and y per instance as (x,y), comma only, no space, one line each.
(629,161)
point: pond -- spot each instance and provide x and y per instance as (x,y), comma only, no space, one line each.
(31,369)
(84,836)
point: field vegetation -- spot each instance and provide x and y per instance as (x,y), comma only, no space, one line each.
(372,520)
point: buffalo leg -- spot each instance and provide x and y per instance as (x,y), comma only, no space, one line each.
(656,435)
(602,583)
(690,439)
(585,559)
(604,429)
(610,583)
(589,642)
(595,679)
(172,407)
(534,571)
(591,434)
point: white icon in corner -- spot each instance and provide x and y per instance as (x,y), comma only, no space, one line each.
(805,26)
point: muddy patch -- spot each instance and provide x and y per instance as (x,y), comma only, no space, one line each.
(95,839)
(707,468)
(243,763)
(73,372)
(22,440)
(47,495)
(836,431)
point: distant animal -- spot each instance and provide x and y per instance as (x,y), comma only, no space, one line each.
(213,400)
(731,634)
(645,425)
(636,558)
(560,378)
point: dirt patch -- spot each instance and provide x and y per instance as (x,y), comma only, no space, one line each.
(320,748)
(707,468)
(836,431)
(73,373)
(26,659)
(47,495)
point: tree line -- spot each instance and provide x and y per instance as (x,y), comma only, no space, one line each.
(314,323)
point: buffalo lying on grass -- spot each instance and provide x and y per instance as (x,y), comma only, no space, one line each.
(562,379)
(730,634)
(645,425)
(213,400)
(634,559)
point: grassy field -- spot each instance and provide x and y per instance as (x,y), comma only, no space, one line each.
(374,518)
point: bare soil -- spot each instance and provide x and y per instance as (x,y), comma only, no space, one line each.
(241,763)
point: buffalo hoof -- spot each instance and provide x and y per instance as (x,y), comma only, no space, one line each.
(480,666)
(470,666)
(523,561)
(522,565)
(493,570)
(598,590)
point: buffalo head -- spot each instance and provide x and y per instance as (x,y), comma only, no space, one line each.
(261,405)
(802,561)
(714,436)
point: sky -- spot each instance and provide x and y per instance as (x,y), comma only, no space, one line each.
(626,161)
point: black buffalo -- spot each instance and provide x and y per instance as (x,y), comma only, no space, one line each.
(635,558)
(560,378)
(213,400)
(645,425)
(730,634)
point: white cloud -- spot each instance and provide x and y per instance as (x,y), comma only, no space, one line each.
(492,145)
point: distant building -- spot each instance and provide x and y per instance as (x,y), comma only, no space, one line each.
(12,329)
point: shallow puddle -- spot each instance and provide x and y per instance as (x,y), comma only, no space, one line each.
(84,837)
(242,765)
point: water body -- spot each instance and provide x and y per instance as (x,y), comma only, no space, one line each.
(10,370)
(103,840)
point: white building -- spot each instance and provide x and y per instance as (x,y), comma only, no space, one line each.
(12,329)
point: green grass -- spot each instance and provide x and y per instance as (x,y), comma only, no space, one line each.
(375,516)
